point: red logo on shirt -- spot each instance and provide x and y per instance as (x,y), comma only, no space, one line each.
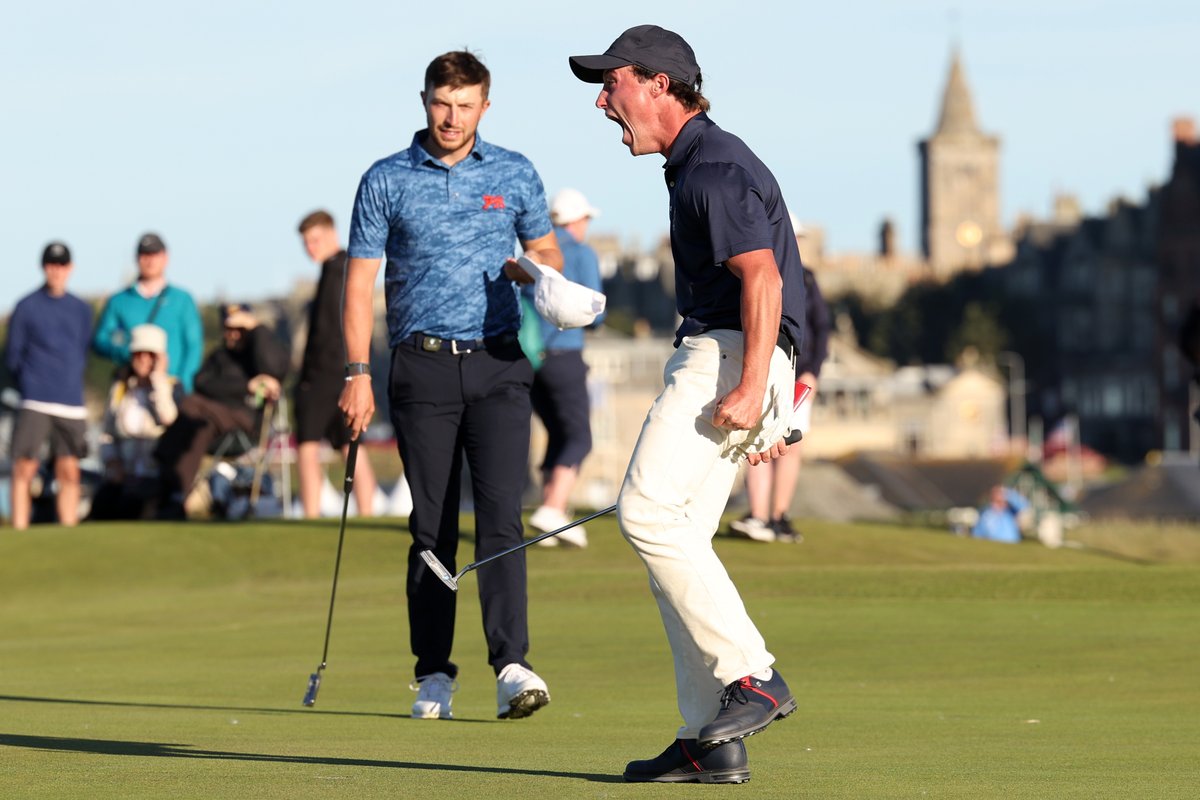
(491,201)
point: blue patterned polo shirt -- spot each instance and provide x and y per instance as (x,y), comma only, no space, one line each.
(446,232)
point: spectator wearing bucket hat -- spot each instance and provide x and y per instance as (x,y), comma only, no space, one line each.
(560,395)
(727,396)
(150,299)
(143,401)
(46,352)
(231,387)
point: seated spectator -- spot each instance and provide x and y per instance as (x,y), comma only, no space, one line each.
(143,401)
(998,519)
(232,386)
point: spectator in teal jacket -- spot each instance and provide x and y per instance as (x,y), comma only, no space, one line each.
(998,519)
(150,300)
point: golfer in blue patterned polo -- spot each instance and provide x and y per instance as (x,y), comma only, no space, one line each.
(448,213)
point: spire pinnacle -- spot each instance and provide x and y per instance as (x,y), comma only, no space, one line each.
(958,113)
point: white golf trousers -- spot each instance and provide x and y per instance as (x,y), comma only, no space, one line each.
(670,505)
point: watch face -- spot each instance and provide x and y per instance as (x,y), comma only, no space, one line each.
(968,234)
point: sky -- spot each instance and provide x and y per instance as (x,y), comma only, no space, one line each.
(219,124)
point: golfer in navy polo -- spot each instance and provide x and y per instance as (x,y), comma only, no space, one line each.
(727,396)
(448,213)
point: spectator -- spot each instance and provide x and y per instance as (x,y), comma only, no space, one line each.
(150,300)
(998,519)
(448,211)
(559,395)
(770,485)
(321,378)
(231,388)
(143,401)
(46,353)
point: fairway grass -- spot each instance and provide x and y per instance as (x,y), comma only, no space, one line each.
(169,661)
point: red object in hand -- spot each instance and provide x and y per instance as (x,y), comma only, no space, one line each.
(803,390)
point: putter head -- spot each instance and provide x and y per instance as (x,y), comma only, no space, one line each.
(439,570)
(314,685)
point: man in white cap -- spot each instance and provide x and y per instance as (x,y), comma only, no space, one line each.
(727,396)
(559,394)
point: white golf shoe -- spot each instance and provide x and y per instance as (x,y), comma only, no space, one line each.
(519,692)
(433,696)
(749,527)
(547,519)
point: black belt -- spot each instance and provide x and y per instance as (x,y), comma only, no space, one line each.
(781,341)
(785,344)
(458,347)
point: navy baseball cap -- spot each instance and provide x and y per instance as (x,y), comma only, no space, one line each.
(149,244)
(648,46)
(56,253)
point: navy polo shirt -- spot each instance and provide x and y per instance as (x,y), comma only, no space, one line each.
(446,232)
(725,202)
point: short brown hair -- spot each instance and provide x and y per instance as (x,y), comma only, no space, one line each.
(457,69)
(319,217)
(690,98)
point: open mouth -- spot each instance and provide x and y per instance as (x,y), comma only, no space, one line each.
(618,120)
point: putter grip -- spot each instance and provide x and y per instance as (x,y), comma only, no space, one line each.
(351,460)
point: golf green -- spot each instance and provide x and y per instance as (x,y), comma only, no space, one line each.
(154,660)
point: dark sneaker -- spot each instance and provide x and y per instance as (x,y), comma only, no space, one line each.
(784,532)
(686,762)
(747,706)
(752,528)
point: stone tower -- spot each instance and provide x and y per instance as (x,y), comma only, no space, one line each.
(960,196)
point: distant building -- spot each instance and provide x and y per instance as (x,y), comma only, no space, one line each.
(639,285)
(1103,300)
(865,404)
(1177,250)
(960,213)
(878,278)
(1088,336)
(960,187)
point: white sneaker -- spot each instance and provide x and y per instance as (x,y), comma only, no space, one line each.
(433,696)
(547,519)
(749,527)
(575,537)
(519,692)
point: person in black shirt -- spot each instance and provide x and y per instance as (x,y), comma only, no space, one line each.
(320,384)
(232,386)
(770,486)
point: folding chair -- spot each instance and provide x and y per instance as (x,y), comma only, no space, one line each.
(273,448)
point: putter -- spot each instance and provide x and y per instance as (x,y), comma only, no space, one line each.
(314,680)
(451,581)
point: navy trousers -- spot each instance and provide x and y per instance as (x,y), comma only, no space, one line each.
(446,407)
(560,399)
